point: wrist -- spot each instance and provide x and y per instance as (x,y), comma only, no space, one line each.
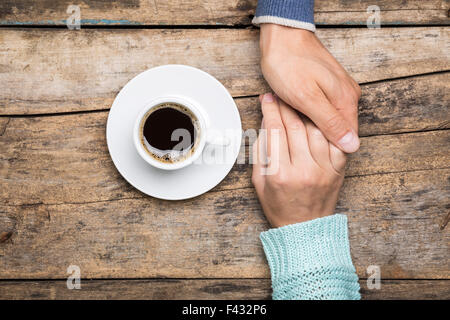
(297,218)
(280,215)
(272,35)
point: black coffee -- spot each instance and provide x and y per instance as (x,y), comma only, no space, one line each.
(169,132)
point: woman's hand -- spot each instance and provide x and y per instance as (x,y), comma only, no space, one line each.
(302,180)
(303,73)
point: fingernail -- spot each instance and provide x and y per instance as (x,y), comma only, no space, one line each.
(268,97)
(350,142)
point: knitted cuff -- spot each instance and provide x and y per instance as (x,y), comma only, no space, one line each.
(291,13)
(311,260)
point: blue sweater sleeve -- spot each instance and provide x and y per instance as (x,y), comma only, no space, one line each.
(311,260)
(291,13)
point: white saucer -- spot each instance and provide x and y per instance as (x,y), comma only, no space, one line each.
(190,82)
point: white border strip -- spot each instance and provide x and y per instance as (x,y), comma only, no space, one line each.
(284,22)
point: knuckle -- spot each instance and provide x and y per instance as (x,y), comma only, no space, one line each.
(279,180)
(307,91)
(352,95)
(352,107)
(335,124)
(318,180)
(314,131)
(338,159)
(351,91)
(273,125)
(355,95)
(294,125)
(355,86)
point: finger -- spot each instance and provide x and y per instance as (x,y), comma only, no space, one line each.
(330,121)
(337,158)
(296,134)
(262,146)
(257,169)
(350,112)
(343,93)
(277,148)
(318,145)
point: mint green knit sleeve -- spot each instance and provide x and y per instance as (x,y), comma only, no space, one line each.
(311,260)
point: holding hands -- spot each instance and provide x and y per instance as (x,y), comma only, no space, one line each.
(309,154)
(299,157)
(309,170)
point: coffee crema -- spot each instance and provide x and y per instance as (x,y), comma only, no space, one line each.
(169,132)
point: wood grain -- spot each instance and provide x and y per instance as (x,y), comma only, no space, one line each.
(60,170)
(211,12)
(48,71)
(62,202)
(394,223)
(240,289)
(54,159)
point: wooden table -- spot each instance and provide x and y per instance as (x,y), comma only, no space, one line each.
(63,203)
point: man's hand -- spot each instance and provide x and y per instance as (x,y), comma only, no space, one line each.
(303,73)
(310,171)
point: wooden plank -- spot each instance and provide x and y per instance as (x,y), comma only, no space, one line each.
(408,290)
(50,70)
(395,222)
(212,12)
(175,289)
(55,159)
(336,12)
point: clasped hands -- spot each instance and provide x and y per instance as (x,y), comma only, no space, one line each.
(315,113)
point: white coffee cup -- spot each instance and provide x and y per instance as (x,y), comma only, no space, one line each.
(204,136)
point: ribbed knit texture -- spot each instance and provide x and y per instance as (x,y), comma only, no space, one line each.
(311,260)
(291,13)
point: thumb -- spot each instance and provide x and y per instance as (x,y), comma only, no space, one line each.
(337,158)
(332,124)
(339,131)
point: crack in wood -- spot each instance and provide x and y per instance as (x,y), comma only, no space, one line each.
(3,126)
(5,236)
(235,97)
(445,222)
(211,191)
